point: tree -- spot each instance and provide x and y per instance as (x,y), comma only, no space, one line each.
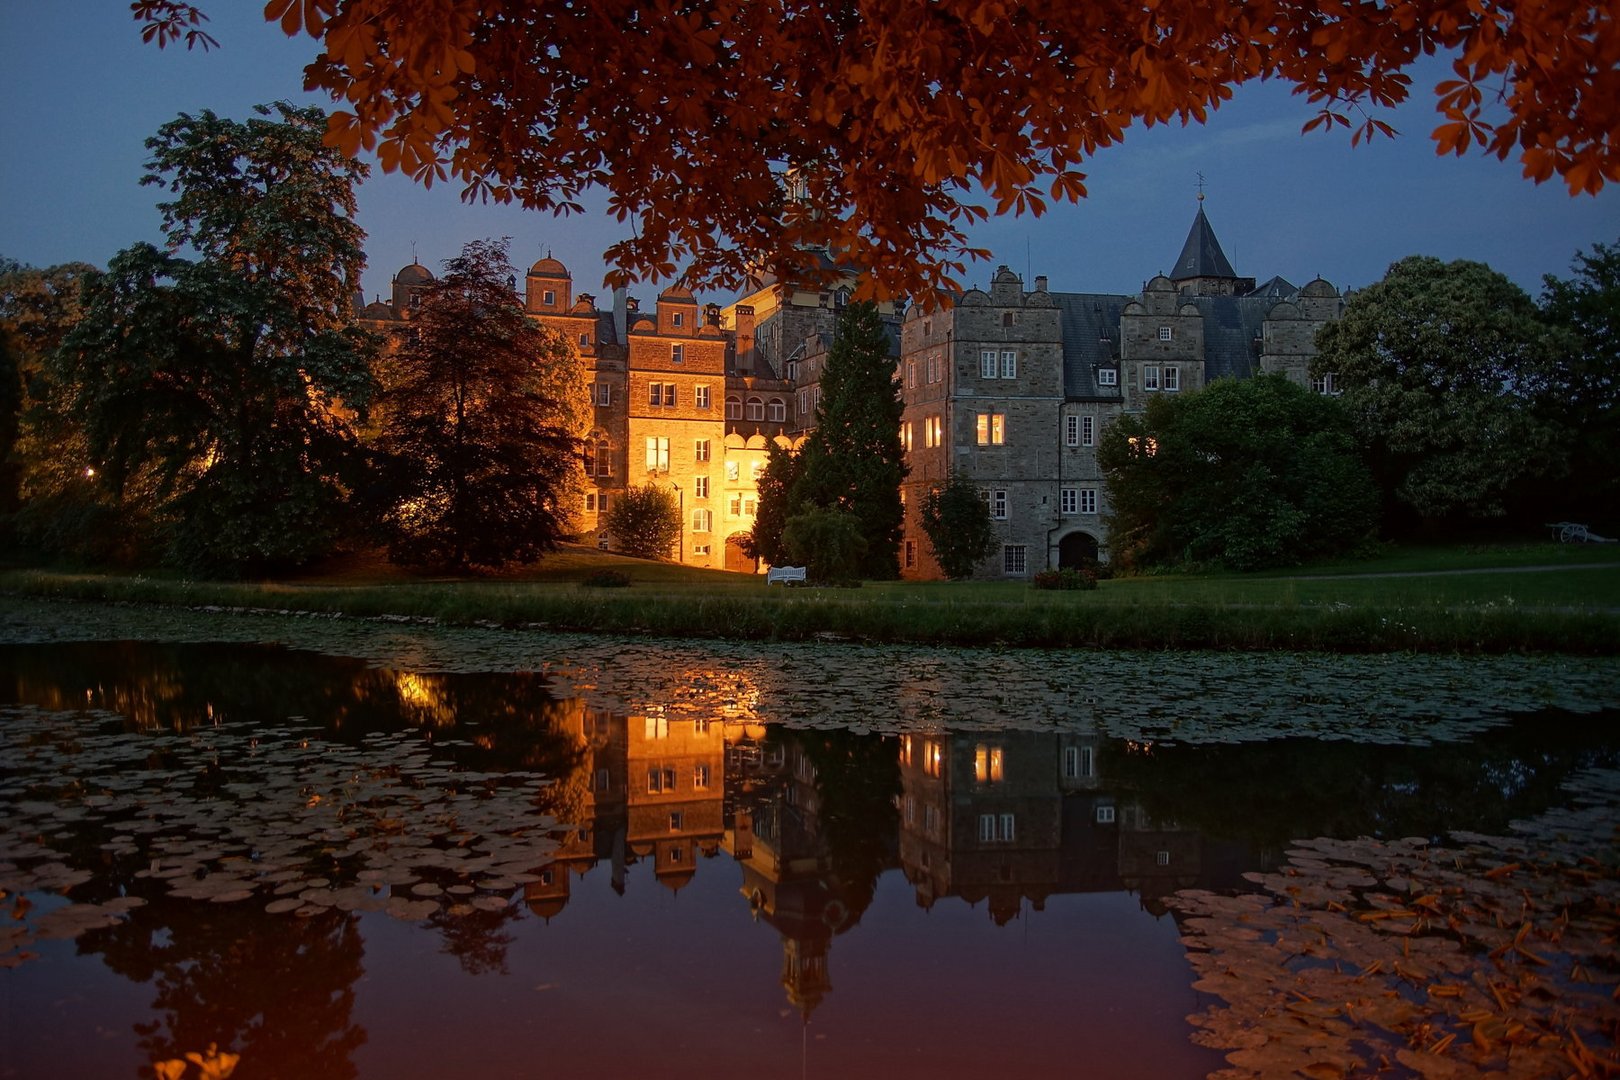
(958,525)
(219,394)
(896,116)
(776,481)
(853,460)
(1244,473)
(1585,393)
(1440,364)
(479,422)
(644,522)
(828,543)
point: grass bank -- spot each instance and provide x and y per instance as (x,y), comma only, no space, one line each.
(1571,608)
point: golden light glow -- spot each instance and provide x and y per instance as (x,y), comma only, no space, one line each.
(987,764)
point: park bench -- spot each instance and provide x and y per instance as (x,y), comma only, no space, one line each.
(1573,532)
(785,575)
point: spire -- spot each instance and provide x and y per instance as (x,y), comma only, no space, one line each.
(1201,256)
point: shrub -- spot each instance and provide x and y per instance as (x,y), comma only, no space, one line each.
(827,543)
(1066,578)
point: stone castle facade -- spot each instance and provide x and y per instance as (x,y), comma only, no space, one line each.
(1011,387)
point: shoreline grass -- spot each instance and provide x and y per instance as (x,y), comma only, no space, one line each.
(1574,611)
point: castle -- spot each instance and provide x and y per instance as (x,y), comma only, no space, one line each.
(1010,387)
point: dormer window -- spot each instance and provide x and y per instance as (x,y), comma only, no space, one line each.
(678,319)
(548,298)
(1107,377)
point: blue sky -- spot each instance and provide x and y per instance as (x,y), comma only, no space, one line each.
(82,93)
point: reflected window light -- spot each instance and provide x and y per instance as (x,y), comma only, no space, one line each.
(987,764)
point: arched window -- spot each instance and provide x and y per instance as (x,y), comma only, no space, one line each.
(733,408)
(776,410)
(598,456)
(756,409)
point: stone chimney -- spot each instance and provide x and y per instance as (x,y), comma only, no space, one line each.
(1040,283)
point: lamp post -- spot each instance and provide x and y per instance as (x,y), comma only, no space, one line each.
(680,504)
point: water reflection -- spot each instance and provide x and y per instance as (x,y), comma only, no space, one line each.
(806,823)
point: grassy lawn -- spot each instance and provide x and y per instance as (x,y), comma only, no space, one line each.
(1432,607)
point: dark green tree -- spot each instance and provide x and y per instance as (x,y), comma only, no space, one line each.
(775,484)
(853,460)
(1584,398)
(1441,365)
(477,423)
(1247,474)
(644,522)
(829,544)
(218,394)
(958,525)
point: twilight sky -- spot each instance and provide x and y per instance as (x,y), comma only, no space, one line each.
(82,93)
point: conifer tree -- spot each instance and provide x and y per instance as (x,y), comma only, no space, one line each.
(853,460)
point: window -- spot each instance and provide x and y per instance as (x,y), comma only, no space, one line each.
(1150,378)
(776,410)
(1162,858)
(700,549)
(669,395)
(701,517)
(677,353)
(988,764)
(1076,762)
(1105,815)
(599,458)
(700,487)
(660,780)
(998,503)
(1009,364)
(756,409)
(676,821)
(994,828)
(733,470)
(992,429)
(733,408)
(750,507)
(1014,559)
(700,396)
(1172,378)
(658,455)
(935,368)
(735,507)
(1088,431)
(602,394)
(1107,376)
(1068,501)
(1006,318)
(754,469)
(700,777)
(911,554)
(590,502)
(987,828)
(1165,333)
(700,450)
(905,436)
(548,298)
(1071,430)
(655,395)
(1088,500)
(584,341)
(804,403)
(933,431)
(911,373)
(1327,383)
(987,364)
(677,319)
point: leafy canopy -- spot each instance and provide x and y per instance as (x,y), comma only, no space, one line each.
(1442,364)
(478,423)
(218,394)
(775,486)
(853,460)
(1585,393)
(644,522)
(1245,473)
(957,521)
(896,114)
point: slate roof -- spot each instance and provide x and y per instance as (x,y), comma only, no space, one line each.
(1087,318)
(1201,255)
(1231,324)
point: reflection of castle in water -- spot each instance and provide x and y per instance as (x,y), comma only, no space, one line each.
(1008,819)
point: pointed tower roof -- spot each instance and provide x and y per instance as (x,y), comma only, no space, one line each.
(1201,255)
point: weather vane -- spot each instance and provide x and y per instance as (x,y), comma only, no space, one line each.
(1200,187)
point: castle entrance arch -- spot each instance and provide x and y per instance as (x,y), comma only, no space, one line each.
(1076,550)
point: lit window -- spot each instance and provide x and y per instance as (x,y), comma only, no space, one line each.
(1165,333)
(1172,378)
(1088,500)
(1144,445)
(1014,559)
(756,409)
(1107,377)
(1009,364)
(987,364)
(933,431)
(700,450)
(657,455)
(700,487)
(733,470)
(733,408)
(776,410)
(991,429)
(700,520)
(1150,378)
(755,468)
(1068,501)
(987,764)
(700,396)
(905,436)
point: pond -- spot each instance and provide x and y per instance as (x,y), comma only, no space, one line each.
(329,848)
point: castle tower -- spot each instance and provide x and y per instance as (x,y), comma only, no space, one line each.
(1202,268)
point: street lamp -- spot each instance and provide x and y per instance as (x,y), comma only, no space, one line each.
(680,513)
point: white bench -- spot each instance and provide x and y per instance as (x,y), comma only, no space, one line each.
(784,574)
